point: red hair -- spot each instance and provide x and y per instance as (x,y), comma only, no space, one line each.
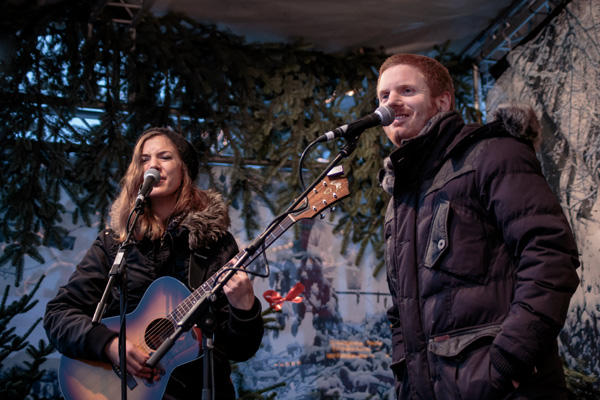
(436,76)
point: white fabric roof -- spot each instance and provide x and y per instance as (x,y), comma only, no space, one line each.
(337,25)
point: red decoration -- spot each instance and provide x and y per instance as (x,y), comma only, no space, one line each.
(275,300)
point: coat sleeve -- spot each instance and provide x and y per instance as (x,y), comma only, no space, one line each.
(68,316)
(542,248)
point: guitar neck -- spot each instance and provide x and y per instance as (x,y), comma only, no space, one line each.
(331,189)
(205,289)
(279,230)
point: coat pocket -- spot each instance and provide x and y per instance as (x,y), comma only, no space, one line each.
(438,236)
(465,366)
(458,242)
(452,345)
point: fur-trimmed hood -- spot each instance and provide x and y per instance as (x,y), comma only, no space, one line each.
(520,121)
(208,225)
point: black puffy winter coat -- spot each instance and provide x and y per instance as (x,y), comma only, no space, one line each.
(191,252)
(481,262)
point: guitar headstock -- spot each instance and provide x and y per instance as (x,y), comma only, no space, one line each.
(333,188)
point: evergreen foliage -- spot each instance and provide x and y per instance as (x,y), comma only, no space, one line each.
(241,103)
(17,381)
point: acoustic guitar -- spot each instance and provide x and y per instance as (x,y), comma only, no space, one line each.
(164,304)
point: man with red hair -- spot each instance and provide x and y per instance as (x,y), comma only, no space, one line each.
(481,261)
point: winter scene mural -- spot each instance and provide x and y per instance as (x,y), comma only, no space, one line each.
(335,342)
(557,73)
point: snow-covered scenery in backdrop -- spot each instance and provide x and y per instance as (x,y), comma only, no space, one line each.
(557,73)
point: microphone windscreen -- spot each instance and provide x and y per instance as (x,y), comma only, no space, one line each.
(387,115)
(152,173)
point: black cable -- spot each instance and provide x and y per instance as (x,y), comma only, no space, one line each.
(265,275)
(313,143)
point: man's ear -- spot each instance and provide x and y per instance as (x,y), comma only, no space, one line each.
(444,101)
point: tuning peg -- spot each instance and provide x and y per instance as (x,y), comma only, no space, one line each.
(322,215)
(332,208)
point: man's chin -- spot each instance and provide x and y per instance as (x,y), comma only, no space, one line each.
(398,136)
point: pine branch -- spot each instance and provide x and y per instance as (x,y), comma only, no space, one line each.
(17,382)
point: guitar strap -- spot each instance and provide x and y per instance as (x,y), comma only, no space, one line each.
(197,276)
(198,269)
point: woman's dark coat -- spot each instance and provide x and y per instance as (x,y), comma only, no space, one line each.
(202,237)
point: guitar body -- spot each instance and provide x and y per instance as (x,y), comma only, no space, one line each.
(147,326)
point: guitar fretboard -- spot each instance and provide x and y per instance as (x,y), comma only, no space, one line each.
(203,291)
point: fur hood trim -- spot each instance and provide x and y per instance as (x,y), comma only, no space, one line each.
(520,121)
(207,226)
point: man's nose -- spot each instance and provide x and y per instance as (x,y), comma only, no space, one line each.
(394,99)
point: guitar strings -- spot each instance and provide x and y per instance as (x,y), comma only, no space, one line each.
(159,332)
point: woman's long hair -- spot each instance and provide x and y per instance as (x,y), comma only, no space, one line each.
(189,197)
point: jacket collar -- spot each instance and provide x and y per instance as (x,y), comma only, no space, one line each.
(446,133)
(410,159)
(508,120)
(206,226)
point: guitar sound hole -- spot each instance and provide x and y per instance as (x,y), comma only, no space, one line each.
(156,333)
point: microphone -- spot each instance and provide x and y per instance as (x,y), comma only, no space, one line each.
(151,178)
(383,116)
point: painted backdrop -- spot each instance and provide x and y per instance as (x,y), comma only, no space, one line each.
(558,74)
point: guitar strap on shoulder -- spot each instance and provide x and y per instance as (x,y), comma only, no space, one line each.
(197,270)
(197,276)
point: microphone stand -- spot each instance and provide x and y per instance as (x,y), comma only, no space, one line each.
(118,274)
(201,306)
(208,337)
(345,151)
(207,373)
